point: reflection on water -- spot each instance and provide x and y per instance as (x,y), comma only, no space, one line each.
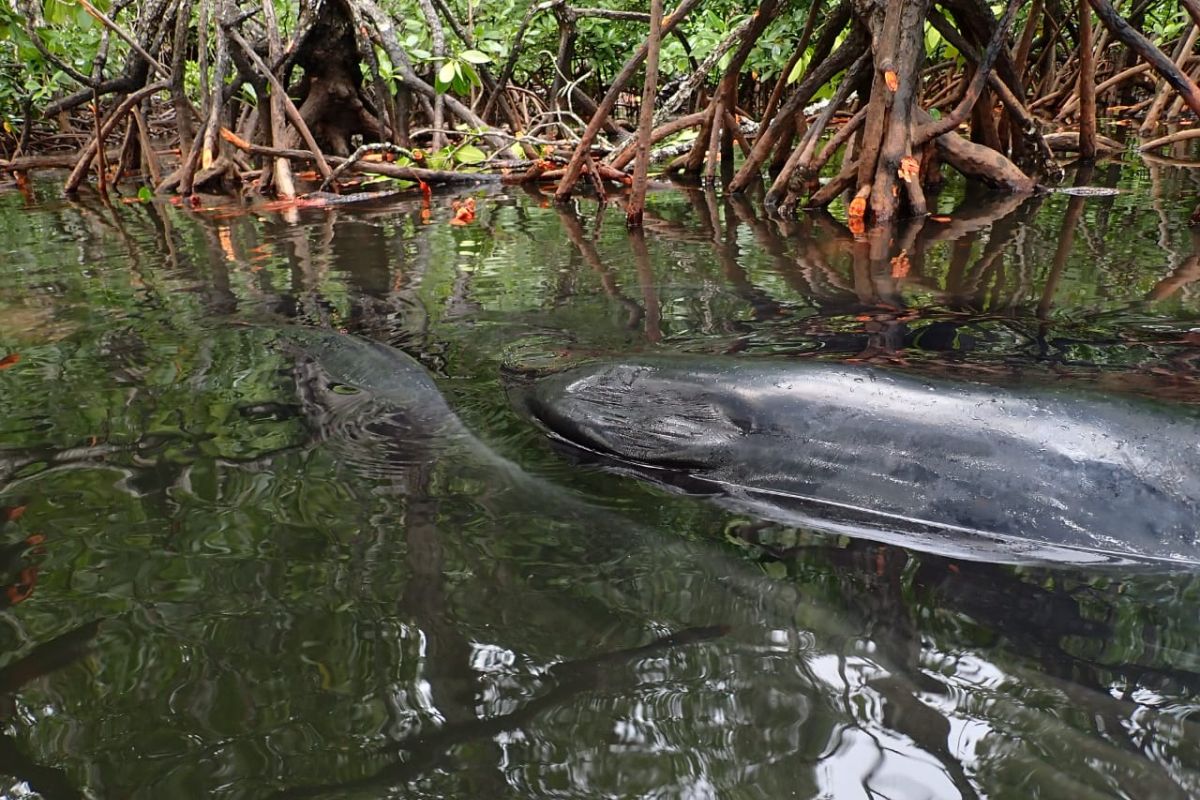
(230,571)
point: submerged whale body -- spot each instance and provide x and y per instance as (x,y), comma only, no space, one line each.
(964,470)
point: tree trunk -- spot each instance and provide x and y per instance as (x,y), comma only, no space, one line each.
(898,46)
(334,106)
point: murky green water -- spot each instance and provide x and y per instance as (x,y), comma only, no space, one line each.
(226,576)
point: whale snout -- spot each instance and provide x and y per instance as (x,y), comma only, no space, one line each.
(614,412)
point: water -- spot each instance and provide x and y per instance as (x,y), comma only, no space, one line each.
(228,574)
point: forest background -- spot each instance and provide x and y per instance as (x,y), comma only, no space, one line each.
(863,100)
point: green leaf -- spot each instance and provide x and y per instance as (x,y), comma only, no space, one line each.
(145,194)
(797,71)
(776,570)
(29,54)
(475,57)
(83,20)
(57,12)
(385,63)
(932,39)
(465,78)
(469,154)
(447,73)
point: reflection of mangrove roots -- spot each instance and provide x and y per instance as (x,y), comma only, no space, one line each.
(42,660)
(570,679)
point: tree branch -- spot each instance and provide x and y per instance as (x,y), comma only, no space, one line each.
(983,69)
(1146,49)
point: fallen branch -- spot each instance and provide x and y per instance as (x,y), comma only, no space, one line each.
(603,170)
(1068,142)
(358,155)
(624,153)
(1173,138)
(51,160)
(414,174)
(980,162)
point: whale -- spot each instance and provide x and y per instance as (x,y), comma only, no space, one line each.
(961,469)
(385,418)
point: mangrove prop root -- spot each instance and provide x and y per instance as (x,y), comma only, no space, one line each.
(705,147)
(1086,84)
(818,76)
(867,56)
(575,166)
(1169,139)
(89,152)
(1123,31)
(289,107)
(641,164)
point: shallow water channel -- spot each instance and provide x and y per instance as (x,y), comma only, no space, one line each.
(228,573)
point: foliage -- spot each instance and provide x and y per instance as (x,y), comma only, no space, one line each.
(604,45)
(26,75)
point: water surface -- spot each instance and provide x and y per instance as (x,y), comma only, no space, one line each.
(228,575)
